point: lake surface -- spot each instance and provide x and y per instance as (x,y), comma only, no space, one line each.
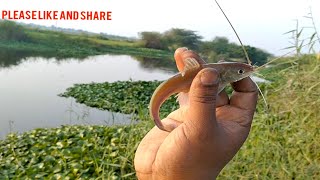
(29,88)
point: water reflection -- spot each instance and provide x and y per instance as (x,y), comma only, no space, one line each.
(167,65)
(9,58)
(29,88)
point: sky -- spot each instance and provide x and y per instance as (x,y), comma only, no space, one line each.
(259,23)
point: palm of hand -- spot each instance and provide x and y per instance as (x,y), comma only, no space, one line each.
(193,151)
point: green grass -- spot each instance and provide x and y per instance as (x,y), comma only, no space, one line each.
(61,45)
(283,143)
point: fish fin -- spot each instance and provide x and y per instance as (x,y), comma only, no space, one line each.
(189,65)
(221,87)
(183,53)
(177,97)
(178,57)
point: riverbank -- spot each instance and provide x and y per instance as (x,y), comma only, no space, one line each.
(62,44)
(59,45)
(283,142)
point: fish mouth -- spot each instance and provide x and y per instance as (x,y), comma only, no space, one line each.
(252,68)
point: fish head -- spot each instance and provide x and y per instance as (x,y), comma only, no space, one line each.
(232,72)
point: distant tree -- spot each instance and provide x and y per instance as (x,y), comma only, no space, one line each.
(235,51)
(221,48)
(176,38)
(215,50)
(218,49)
(220,45)
(257,56)
(152,40)
(9,30)
(207,52)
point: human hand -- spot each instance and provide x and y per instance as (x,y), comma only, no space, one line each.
(211,128)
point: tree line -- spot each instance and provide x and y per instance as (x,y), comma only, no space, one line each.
(212,51)
(218,49)
(9,30)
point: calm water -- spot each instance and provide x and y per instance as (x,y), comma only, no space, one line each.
(29,88)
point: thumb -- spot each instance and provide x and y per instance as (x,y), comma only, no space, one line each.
(203,96)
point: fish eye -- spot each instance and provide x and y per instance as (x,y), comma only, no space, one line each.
(240,71)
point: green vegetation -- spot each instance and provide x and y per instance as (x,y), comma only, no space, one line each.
(71,152)
(123,96)
(10,31)
(61,45)
(218,49)
(171,39)
(221,49)
(283,142)
(37,42)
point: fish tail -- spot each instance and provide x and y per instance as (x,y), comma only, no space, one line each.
(164,91)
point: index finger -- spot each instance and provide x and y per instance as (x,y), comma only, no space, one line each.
(245,94)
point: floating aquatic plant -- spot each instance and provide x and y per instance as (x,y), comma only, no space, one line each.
(128,97)
(71,152)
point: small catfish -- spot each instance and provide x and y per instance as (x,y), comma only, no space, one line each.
(189,67)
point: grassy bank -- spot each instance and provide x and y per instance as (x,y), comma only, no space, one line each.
(63,45)
(283,143)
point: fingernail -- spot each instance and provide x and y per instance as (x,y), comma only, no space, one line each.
(209,77)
